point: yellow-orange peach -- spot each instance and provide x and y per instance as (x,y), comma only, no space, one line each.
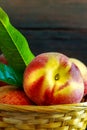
(51,78)
(12,95)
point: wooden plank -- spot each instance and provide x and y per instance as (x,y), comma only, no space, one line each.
(51,25)
(70,42)
(47,13)
(73,43)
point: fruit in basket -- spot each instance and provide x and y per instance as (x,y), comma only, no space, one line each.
(83,70)
(51,78)
(12,95)
(4,61)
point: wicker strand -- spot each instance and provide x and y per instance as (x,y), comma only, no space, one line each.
(59,117)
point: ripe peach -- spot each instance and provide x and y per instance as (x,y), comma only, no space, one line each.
(4,61)
(83,69)
(14,96)
(51,78)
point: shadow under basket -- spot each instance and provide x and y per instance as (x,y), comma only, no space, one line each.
(57,117)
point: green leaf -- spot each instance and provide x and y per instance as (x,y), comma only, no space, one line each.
(8,75)
(13,44)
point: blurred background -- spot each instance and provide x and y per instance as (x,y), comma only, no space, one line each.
(51,25)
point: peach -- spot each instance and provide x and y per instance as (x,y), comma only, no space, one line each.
(51,78)
(4,61)
(83,69)
(12,95)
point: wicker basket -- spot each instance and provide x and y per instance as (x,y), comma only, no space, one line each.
(58,117)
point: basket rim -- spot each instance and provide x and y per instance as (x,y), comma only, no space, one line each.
(51,108)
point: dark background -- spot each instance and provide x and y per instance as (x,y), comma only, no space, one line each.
(51,25)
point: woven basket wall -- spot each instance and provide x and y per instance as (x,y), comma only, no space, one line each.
(58,117)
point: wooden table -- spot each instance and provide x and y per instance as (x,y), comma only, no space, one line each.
(51,25)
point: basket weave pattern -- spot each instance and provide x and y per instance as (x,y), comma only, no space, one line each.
(59,117)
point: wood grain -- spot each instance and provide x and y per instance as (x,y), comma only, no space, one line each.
(51,25)
(47,13)
(73,43)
